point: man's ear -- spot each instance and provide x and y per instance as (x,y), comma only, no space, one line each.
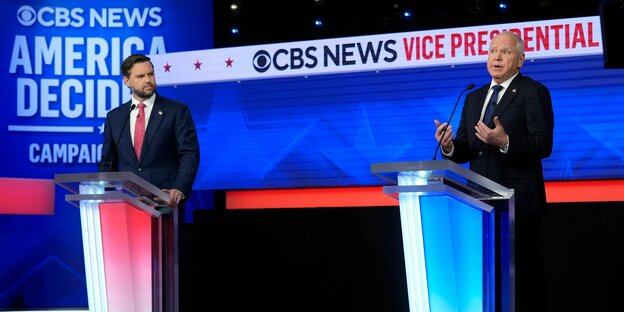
(521,61)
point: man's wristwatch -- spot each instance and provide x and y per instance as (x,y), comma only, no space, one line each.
(505,147)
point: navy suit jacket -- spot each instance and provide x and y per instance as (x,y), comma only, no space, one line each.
(170,152)
(525,111)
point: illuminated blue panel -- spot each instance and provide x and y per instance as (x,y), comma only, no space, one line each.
(458,254)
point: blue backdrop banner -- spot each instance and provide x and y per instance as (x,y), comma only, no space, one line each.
(61,74)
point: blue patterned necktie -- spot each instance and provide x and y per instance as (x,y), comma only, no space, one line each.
(489,111)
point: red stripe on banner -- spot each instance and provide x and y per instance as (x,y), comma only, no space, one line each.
(309,198)
(556,192)
(585,191)
(26,196)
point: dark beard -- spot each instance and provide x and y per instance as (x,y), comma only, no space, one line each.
(144,95)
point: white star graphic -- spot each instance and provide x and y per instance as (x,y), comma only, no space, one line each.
(101,128)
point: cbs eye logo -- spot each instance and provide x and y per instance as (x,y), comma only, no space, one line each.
(26,15)
(262,61)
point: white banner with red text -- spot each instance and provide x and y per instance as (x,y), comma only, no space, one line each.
(441,47)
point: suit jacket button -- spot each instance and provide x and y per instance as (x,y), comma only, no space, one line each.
(480,154)
(139,169)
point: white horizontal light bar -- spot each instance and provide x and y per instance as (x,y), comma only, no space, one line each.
(50,129)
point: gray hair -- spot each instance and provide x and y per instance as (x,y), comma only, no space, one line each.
(517,38)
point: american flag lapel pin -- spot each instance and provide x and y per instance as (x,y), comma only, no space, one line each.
(160,112)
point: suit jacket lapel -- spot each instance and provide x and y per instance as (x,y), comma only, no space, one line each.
(478,107)
(475,114)
(509,95)
(126,139)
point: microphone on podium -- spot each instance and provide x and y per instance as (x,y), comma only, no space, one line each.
(435,153)
(110,166)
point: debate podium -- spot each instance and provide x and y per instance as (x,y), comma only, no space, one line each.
(458,236)
(129,241)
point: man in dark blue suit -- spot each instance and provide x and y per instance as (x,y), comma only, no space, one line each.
(155,138)
(169,151)
(509,149)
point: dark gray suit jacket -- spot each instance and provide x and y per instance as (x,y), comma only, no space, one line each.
(526,113)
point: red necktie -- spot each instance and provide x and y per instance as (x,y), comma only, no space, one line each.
(139,131)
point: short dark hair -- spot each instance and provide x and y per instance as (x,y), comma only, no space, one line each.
(131,60)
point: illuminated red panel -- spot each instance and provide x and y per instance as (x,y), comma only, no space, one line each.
(126,244)
(26,196)
(373,196)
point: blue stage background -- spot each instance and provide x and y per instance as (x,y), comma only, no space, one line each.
(326,130)
(42,263)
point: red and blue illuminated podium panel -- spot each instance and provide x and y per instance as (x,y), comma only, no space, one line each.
(127,241)
(453,236)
